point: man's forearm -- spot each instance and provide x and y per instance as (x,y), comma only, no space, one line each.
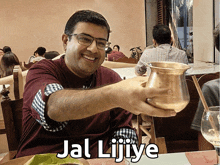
(67,105)
(128,94)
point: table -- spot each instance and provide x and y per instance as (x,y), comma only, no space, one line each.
(196,69)
(202,68)
(182,158)
(163,159)
(125,72)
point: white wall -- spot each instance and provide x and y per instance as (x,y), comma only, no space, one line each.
(27,24)
(203,30)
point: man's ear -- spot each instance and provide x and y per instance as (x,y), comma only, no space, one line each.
(65,41)
(154,42)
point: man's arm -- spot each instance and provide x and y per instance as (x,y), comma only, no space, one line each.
(128,94)
(141,67)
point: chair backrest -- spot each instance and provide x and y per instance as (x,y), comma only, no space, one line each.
(12,113)
(12,109)
(51,54)
(27,66)
(16,89)
(111,64)
(177,129)
(126,60)
(18,82)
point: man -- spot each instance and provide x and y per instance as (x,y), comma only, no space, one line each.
(39,55)
(163,50)
(211,93)
(115,54)
(74,97)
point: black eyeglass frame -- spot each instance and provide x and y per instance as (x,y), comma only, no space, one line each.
(93,38)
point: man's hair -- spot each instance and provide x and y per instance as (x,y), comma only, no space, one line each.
(216,36)
(162,34)
(117,47)
(6,49)
(41,51)
(85,16)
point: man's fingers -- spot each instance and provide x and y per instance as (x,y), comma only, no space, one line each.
(150,110)
(163,113)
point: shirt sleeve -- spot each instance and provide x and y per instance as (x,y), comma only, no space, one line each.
(126,133)
(38,105)
(210,91)
(185,59)
(141,67)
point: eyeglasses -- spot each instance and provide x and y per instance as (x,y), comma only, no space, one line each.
(87,40)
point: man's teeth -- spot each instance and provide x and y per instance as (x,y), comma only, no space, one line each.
(89,58)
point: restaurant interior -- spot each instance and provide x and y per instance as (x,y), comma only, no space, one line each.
(26,25)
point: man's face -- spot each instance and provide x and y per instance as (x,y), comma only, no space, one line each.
(80,59)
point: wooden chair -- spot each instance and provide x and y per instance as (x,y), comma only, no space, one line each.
(111,64)
(149,130)
(16,82)
(12,111)
(176,130)
(10,80)
(19,81)
(27,66)
(51,54)
(126,60)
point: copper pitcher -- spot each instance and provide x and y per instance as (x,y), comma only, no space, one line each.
(169,75)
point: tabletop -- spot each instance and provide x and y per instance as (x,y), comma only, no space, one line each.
(195,69)
(165,159)
(182,158)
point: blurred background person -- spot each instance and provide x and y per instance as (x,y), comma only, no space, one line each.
(8,61)
(211,92)
(115,54)
(6,49)
(163,51)
(32,57)
(1,53)
(116,48)
(39,54)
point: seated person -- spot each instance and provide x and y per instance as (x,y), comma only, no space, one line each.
(211,91)
(6,49)
(39,55)
(32,57)
(1,53)
(115,54)
(163,50)
(8,61)
(74,97)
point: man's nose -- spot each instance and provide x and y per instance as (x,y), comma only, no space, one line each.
(93,47)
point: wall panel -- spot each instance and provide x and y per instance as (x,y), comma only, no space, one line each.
(26,24)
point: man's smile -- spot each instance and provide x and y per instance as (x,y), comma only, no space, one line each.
(89,58)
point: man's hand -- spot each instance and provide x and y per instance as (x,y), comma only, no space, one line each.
(131,95)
